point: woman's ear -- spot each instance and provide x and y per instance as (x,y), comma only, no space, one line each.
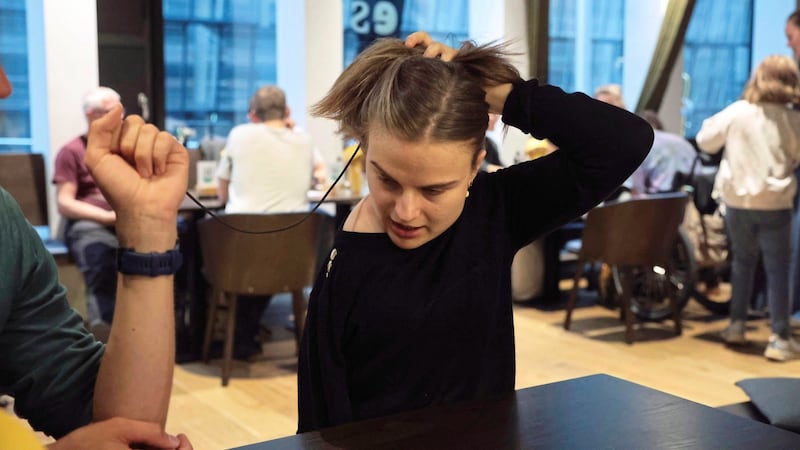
(478,162)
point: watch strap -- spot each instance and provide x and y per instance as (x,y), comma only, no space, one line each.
(130,262)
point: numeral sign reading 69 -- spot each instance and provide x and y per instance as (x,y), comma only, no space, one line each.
(379,17)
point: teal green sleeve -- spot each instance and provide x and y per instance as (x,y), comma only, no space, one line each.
(48,360)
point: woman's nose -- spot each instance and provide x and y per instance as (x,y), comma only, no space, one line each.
(406,207)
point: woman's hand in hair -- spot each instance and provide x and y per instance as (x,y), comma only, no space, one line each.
(496,94)
(433,48)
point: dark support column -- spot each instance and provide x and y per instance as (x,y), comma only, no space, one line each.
(670,41)
(538,12)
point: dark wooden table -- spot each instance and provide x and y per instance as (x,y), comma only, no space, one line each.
(189,206)
(594,412)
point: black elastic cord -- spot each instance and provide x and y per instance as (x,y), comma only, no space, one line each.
(288,227)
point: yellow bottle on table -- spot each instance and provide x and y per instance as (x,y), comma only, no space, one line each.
(355,172)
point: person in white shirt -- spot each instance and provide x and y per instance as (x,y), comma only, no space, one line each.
(757,184)
(266,167)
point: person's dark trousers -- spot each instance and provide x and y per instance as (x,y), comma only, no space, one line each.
(249,309)
(765,233)
(94,247)
(794,262)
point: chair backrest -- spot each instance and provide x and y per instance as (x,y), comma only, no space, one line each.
(640,231)
(23,176)
(261,264)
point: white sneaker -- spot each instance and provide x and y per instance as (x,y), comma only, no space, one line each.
(780,349)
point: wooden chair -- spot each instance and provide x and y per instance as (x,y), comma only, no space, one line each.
(23,176)
(237,263)
(636,233)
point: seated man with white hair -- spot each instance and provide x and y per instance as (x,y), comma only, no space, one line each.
(89,232)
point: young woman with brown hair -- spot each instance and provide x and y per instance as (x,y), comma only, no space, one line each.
(413,307)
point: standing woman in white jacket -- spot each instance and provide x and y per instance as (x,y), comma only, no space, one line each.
(761,136)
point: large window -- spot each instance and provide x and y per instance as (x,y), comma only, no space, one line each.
(716,56)
(15,121)
(586,39)
(561,51)
(445,20)
(216,54)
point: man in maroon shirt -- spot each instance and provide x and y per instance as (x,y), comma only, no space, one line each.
(89,233)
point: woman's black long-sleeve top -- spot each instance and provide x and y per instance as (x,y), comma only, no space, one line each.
(391,330)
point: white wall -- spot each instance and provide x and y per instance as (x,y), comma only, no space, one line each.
(291,52)
(516,30)
(486,20)
(310,54)
(769,38)
(670,111)
(643,22)
(324,58)
(490,20)
(70,43)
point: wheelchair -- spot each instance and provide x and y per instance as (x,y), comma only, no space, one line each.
(653,287)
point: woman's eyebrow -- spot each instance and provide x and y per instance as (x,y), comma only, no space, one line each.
(443,185)
(380,169)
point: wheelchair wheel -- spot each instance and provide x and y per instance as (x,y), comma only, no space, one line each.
(713,303)
(653,287)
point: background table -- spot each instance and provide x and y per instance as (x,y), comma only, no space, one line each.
(593,412)
(343,203)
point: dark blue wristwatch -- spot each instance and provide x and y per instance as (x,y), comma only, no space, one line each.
(130,262)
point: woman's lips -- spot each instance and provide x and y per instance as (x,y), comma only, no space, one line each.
(405,232)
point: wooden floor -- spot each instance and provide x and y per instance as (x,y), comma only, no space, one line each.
(260,402)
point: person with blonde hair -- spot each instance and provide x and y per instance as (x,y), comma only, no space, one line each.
(611,94)
(756,180)
(413,306)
